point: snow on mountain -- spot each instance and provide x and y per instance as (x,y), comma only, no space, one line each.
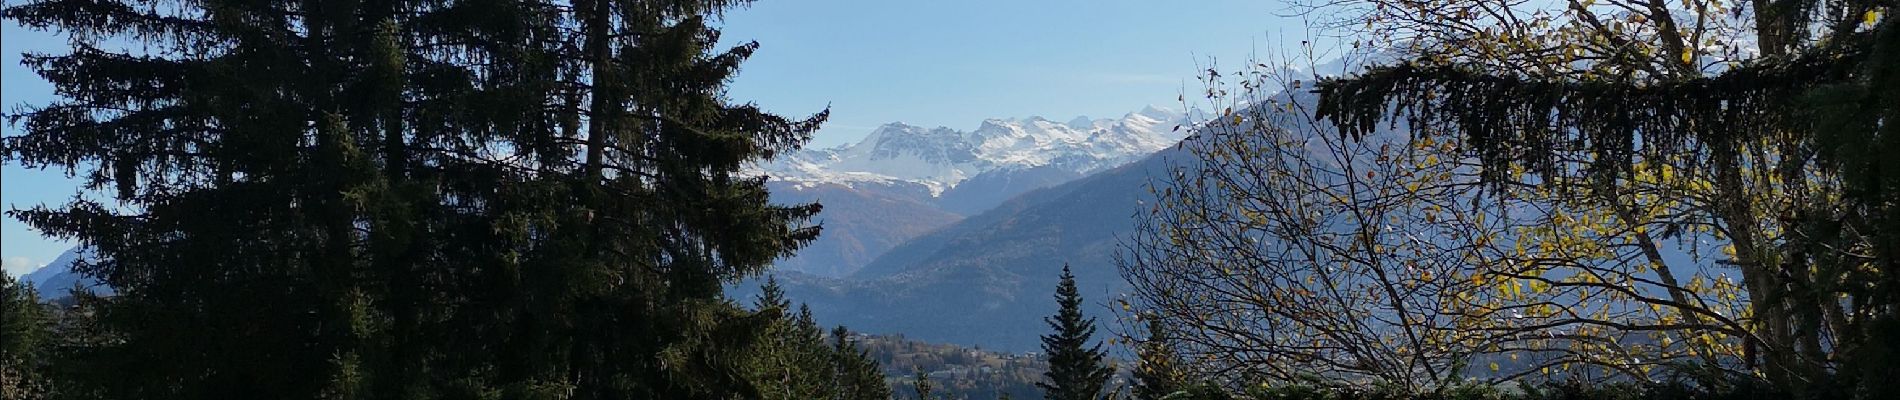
(57,279)
(940,158)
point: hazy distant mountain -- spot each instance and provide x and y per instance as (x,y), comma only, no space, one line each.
(57,279)
(902,181)
(859,223)
(989,189)
(989,279)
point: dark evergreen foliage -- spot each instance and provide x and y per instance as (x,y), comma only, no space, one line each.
(1857,128)
(1157,372)
(378,199)
(857,375)
(1076,368)
(920,385)
(26,329)
(1534,122)
(794,362)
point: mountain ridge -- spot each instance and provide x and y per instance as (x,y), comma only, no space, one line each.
(940,158)
(986,280)
(904,181)
(57,279)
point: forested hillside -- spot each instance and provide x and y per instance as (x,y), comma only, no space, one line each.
(861,222)
(958,372)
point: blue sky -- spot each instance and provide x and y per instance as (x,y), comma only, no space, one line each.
(931,63)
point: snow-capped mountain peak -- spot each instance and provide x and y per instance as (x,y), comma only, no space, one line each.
(940,158)
(1157,113)
(1081,122)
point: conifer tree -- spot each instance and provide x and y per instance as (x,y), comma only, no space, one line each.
(1076,369)
(1157,375)
(24,336)
(920,384)
(661,203)
(243,143)
(771,296)
(409,199)
(793,361)
(857,375)
(777,358)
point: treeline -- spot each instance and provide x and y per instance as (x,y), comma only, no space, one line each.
(41,344)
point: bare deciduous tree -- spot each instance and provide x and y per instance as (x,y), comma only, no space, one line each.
(1283,249)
